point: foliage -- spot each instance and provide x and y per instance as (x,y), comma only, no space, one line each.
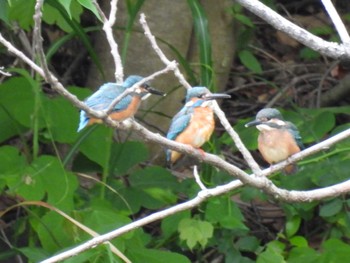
(105,184)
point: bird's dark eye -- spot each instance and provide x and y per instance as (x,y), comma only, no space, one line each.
(145,86)
(201,95)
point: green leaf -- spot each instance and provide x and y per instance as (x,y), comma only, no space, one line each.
(331,208)
(195,232)
(34,254)
(88,4)
(154,176)
(42,178)
(244,20)
(203,39)
(248,243)
(303,254)
(156,256)
(17,100)
(4,10)
(126,155)
(66,4)
(248,59)
(169,225)
(97,146)
(298,241)
(272,254)
(61,120)
(22,11)
(334,250)
(292,225)
(225,212)
(54,231)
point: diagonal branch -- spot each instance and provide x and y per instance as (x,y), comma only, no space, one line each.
(330,49)
(108,29)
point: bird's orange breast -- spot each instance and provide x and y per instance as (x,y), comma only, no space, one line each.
(123,114)
(277,145)
(198,131)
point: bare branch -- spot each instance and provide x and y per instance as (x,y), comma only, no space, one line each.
(160,53)
(108,29)
(316,43)
(7,74)
(198,178)
(338,23)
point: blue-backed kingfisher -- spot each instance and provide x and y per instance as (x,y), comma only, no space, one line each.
(194,123)
(125,108)
(278,139)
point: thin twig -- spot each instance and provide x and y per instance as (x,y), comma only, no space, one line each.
(198,178)
(168,68)
(159,52)
(108,29)
(338,23)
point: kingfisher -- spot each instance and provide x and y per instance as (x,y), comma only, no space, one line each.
(125,108)
(194,123)
(278,139)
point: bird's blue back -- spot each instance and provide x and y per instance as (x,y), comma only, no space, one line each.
(295,133)
(102,98)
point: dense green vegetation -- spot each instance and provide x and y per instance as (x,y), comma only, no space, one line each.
(104,183)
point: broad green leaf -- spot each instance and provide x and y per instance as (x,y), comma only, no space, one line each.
(156,256)
(203,39)
(154,176)
(54,231)
(244,20)
(195,232)
(97,146)
(22,11)
(249,60)
(61,120)
(271,255)
(292,225)
(298,241)
(66,4)
(12,165)
(334,250)
(17,99)
(303,254)
(42,178)
(88,4)
(34,254)
(126,155)
(170,224)
(225,212)
(4,10)
(331,208)
(248,243)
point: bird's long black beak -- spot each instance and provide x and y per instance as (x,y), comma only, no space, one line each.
(155,92)
(214,96)
(252,123)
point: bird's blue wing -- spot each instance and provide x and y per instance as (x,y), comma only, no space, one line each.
(295,132)
(179,123)
(101,99)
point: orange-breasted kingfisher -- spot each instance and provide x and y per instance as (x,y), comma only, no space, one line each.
(194,123)
(125,108)
(278,139)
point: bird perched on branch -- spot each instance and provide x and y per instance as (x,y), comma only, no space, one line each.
(194,123)
(125,108)
(278,139)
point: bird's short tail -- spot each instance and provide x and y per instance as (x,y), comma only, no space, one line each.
(84,120)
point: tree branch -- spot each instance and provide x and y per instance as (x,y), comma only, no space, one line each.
(330,49)
(108,29)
